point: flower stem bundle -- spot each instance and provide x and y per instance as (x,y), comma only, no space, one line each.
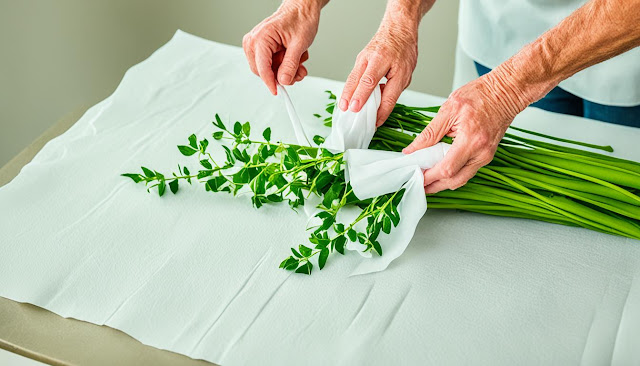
(535,179)
(528,178)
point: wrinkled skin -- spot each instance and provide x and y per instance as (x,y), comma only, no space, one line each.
(392,53)
(477,115)
(277,47)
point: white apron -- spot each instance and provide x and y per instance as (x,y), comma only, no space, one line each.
(491,31)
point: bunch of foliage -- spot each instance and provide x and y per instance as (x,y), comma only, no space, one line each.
(276,172)
(527,178)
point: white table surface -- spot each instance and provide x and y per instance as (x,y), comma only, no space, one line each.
(180,273)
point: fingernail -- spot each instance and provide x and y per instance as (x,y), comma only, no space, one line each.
(343,105)
(354,106)
(286,79)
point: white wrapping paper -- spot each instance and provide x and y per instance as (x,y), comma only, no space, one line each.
(374,173)
(196,273)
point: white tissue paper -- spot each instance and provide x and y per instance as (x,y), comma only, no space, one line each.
(197,273)
(374,173)
(351,130)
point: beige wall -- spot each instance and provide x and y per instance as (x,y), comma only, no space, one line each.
(56,56)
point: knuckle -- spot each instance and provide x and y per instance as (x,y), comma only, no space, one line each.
(485,157)
(447,172)
(288,66)
(427,134)
(387,104)
(352,79)
(368,80)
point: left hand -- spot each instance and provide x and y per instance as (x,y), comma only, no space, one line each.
(392,52)
(477,116)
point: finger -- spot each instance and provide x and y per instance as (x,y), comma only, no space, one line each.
(248,51)
(464,175)
(390,94)
(263,64)
(434,132)
(290,64)
(276,60)
(351,84)
(368,81)
(304,57)
(458,156)
(301,73)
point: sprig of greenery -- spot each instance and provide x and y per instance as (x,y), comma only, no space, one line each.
(275,172)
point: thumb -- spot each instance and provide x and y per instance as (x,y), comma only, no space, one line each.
(430,136)
(290,63)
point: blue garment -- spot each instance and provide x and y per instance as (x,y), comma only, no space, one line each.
(561,101)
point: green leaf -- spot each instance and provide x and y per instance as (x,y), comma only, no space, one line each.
(339,243)
(148,172)
(203,145)
(161,188)
(395,216)
(219,123)
(238,155)
(135,177)
(267,134)
(293,154)
(230,158)
(214,184)
(237,128)
(186,150)
(290,263)
(304,250)
(186,171)
(246,128)
(322,260)
(318,139)
(295,252)
(242,176)
(331,95)
(339,227)
(305,268)
(218,135)
(377,247)
(205,163)
(275,198)
(352,234)
(205,173)
(193,141)
(322,181)
(386,225)
(317,115)
(173,186)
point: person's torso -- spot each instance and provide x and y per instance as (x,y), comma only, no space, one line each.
(491,31)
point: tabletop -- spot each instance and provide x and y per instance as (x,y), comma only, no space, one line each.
(469,289)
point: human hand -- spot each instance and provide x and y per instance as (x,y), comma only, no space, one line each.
(477,116)
(393,52)
(277,47)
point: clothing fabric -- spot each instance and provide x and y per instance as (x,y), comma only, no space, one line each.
(561,101)
(491,31)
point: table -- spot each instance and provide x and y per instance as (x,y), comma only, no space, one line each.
(39,334)
(490,291)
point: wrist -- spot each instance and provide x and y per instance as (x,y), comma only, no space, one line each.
(528,76)
(402,17)
(306,8)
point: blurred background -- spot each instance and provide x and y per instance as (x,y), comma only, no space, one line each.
(60,57)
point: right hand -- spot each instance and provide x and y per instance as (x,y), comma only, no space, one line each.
(277,46)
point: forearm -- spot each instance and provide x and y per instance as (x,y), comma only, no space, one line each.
(306,6)
(406,13)
(599,30)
